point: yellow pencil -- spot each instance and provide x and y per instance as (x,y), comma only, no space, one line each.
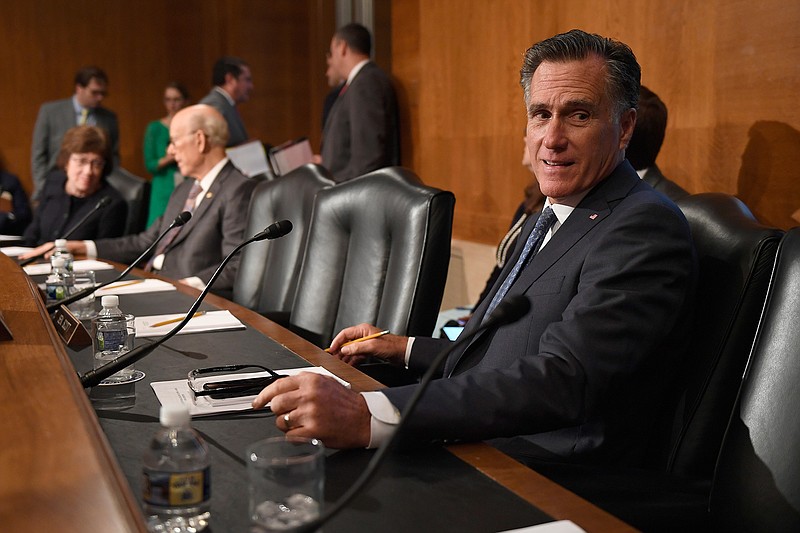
(173,320)
(124,284)
(362,339)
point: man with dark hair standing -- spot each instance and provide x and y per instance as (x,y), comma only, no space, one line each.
(609,268)
(233,84)
(361,131)
(55,118)
(648,135)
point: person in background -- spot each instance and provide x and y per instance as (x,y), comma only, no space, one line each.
(156,159)
(608,267)
(361,133)
(55,118)
(651,125)
(74,189)
(335,83)
(15,210)
(233,84)
(216,194)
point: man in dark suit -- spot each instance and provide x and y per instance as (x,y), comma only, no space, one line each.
(55,118)
(651,125)
(361,131)
(579,377)
(233,84)
(220,198)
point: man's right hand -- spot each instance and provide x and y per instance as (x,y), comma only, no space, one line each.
(390,348)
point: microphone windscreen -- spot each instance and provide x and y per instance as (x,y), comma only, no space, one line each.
(182,218)
(104,201)
(510,309)
(275,230)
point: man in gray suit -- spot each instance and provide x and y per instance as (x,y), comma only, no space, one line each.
(55,118)
(233,84)
(582,375)
(361,131)
(220,196)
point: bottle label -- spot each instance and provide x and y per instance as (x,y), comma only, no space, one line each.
(57,291)
(176,489)
(111,341)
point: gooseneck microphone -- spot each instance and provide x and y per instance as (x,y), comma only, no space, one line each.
(180,220)
(101,203)
(509,310)
(93,377)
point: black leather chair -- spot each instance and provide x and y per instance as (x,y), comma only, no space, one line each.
(757,480)
(267,277)
(735,256)
(378,251)
(136,192)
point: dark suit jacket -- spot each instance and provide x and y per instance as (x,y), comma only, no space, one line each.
(58,212)
(237,133)
(15,221)
(580,376)
(659,182)
(361,133)
(216,228)
(54,119)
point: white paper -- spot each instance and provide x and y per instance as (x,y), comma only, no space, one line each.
(177,392)
(249,158)
(14,251)
(559,526)
(141,285)
(41,269)
(211,321)
(290,155)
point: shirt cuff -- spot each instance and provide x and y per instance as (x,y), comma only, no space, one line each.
(384,419)
(91,249)
(408,350)
(195,282)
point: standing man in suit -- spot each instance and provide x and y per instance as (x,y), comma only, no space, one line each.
(218,196)
(233,84)
(361,132)
(580,377)
(651,125)
(55,118)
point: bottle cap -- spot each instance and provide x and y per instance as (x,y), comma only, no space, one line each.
(58,262)
(112,300)
(61,243)
(174,415)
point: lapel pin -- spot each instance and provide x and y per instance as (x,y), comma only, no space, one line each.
(210,194)
(594,216)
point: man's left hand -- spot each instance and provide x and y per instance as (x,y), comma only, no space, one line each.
(314,406)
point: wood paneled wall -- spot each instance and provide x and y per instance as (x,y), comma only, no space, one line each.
(143,44)
(729,72)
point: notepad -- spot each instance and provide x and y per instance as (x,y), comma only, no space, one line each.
(211,321)
(136,287)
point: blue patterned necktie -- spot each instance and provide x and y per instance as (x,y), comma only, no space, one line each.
(546,219)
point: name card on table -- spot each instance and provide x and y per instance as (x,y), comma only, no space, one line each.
(70,329)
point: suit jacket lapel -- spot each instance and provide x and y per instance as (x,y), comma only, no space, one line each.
(204,206)
(596,206)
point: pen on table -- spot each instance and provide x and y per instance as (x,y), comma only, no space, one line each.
(124,284)
(173,320)
(362,339)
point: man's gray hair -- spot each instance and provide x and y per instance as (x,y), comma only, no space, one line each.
(213,125)
(623,74)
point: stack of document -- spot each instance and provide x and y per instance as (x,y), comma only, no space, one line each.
(158,325)
(177,392)
(42,269)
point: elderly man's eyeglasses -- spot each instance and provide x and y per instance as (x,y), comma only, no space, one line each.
(202,382)
(174,140)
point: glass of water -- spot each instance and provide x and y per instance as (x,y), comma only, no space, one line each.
(84,308)
(287,482)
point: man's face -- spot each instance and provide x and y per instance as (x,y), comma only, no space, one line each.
(573,137)
(92,95)
(184,146)
(242,86)
(335,59)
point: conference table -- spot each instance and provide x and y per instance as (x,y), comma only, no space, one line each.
(67,464)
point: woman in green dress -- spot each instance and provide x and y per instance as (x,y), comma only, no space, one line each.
(158,163)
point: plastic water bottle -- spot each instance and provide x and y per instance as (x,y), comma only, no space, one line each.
(59,284)
(60,250)
(175,478)
(111,337)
